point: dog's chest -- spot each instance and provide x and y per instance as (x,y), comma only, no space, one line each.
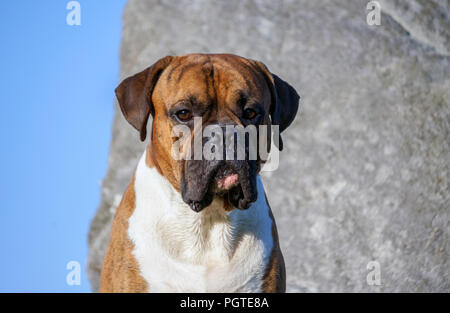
(178,263)
(179,250)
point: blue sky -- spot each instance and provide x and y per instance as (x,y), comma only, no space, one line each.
(57,88)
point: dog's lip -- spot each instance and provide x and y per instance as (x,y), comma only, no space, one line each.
(225,179)
(228,182)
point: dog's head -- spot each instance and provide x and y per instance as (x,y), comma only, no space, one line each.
(218,92)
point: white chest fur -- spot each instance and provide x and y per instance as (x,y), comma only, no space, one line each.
(179,250)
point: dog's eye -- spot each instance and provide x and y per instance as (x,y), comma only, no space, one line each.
(184,115)
(250,114)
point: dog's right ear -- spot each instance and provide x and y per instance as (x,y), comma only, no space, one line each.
(285,100)
(135,95)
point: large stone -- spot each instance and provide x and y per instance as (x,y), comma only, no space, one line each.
(365,171)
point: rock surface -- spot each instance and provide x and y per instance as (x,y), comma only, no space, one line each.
(365,171)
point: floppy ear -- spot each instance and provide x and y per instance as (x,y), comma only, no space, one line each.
(135,95)
(285,100)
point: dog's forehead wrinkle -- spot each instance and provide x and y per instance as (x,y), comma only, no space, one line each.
(212,80)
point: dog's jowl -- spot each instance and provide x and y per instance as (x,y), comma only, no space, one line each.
(195,224)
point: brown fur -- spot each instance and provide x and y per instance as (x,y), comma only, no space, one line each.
(215,83)
(275,276)
(150,158)
(120,271)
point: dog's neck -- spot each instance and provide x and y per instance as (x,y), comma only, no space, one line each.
(212,234)
(214,250)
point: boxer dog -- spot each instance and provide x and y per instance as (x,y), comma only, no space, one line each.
(189,225)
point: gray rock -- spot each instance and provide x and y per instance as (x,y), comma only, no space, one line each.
(365,171)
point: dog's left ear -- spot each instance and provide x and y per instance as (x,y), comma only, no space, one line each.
(135,95)
(285,100)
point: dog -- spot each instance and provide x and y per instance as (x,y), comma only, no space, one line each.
(189,225)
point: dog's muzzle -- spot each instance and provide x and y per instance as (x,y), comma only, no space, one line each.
(233,179)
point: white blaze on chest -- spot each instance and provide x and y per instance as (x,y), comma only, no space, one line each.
(179,250)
